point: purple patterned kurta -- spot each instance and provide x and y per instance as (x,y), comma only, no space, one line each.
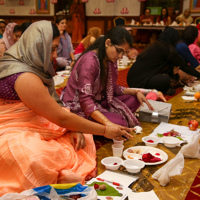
(84,93)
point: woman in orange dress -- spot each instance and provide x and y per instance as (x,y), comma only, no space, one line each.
(78,19)
(37,147)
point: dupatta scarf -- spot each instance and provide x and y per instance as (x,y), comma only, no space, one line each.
(32,54)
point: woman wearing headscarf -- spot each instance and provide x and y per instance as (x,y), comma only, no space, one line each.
(92,91)
(93,34)
(157,65)
(189,34)
(37,147)
(11,35)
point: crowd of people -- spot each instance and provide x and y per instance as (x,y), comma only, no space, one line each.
(47,139)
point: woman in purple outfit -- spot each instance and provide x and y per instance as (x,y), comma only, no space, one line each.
(91,90)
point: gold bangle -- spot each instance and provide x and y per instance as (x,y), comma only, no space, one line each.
(103,118)
(137,92)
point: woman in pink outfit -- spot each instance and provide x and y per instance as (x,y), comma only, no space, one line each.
(11,35)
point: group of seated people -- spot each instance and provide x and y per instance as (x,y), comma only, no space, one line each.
(47,139)
(144,36)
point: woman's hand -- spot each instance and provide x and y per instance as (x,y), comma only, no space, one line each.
(117,132)
(141,98)
(77,140)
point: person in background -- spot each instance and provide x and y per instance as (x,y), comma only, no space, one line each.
(164,17)
(185,18)
(189,35)
(25,25)
(91,90)
(93,34)
(158,66)
(11,35)
(144,36)
(2,27)
(65,49)
(78,20)
(195,47)
(44,142)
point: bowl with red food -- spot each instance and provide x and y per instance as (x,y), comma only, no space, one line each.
(150,141)
(112,163)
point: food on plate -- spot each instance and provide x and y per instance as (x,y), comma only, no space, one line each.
(193,125)
(171,133)
(148,157)
(96,186)
(138,151)
(102,187)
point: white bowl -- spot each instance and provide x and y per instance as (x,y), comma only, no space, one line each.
(151,144)
(109,162)
(171,142)
(133,166)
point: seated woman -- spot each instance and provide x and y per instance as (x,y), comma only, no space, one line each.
(93,34)
(91,90)
(185,18)
(37,147)
(164,17)
(65,49)
(156,67)
(144,36)
(189,35)
(11,35)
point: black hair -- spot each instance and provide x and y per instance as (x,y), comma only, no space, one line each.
(189,34)
(3,22)
(147,9)
(161,16)
(170,36)
(17,28)
(56,32)
(60,18)
(118,36)
(25,25)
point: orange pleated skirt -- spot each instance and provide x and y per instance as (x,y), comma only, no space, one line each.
(35,152)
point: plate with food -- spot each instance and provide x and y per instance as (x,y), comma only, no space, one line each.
(150,155)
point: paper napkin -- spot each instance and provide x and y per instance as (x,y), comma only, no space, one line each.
(173,167)
(191,150)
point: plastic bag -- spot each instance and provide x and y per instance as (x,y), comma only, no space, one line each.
(54,192)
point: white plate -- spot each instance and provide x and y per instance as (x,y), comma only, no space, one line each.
(139,150)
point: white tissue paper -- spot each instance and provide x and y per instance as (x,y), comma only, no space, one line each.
(173,167)
(174,23)
(191,150)
(138,129)
(162,23)
(132,22)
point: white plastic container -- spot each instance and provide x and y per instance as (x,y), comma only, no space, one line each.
(112,163)
(133,166)
(151,144)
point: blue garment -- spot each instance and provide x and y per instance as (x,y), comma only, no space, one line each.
(185,53)
(1,36)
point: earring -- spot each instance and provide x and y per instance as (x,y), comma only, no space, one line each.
(106,45)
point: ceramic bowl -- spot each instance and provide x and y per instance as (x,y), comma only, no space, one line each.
(171,142)
(151,141)
(133,166)
(112,163)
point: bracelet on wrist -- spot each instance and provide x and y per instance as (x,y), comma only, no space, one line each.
(104,131)
(137,92)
